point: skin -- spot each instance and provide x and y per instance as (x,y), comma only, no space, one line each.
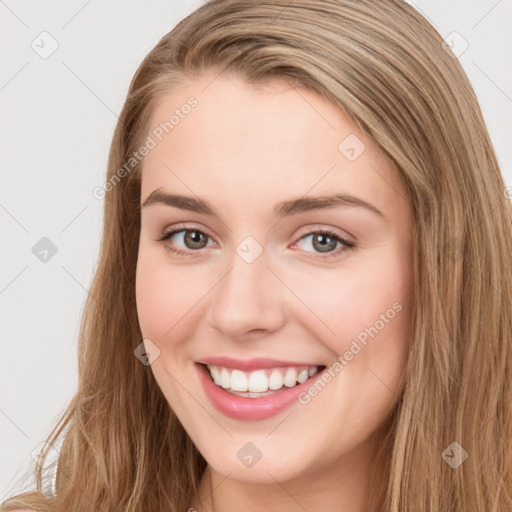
(244,149)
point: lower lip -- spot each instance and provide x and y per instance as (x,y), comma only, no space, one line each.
(250,409)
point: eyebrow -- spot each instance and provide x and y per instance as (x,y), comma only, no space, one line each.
(283,209)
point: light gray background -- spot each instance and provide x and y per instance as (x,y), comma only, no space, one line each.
(58,119)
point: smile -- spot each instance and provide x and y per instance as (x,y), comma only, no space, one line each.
(258,383)
(246,403)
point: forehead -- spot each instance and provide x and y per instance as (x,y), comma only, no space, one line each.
(246,146)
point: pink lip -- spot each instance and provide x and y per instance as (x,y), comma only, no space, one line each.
(251,409)
(252,364)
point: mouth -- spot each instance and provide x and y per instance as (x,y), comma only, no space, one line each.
(250,395)
(260,382)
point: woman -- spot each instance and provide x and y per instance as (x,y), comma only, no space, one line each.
(303,208)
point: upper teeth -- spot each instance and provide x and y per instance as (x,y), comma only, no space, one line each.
(260,380)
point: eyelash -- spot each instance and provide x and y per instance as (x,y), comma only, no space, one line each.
(346,243)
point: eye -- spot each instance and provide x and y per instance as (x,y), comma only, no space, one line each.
(194,239)
(325,243)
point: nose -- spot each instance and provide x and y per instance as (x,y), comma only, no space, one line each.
(247,300)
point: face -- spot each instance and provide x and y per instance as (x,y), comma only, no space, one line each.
(271,279)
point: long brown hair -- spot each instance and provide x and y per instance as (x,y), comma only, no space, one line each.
(385,67)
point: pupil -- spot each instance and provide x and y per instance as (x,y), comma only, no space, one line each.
(194,237)
(324,245)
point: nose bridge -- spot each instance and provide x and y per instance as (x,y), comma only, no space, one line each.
(247,297)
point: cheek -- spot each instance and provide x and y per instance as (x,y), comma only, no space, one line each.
(363,313)
(364,319)
(168,298)
(346,305)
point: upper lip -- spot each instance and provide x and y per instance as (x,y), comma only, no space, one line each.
(251,364)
